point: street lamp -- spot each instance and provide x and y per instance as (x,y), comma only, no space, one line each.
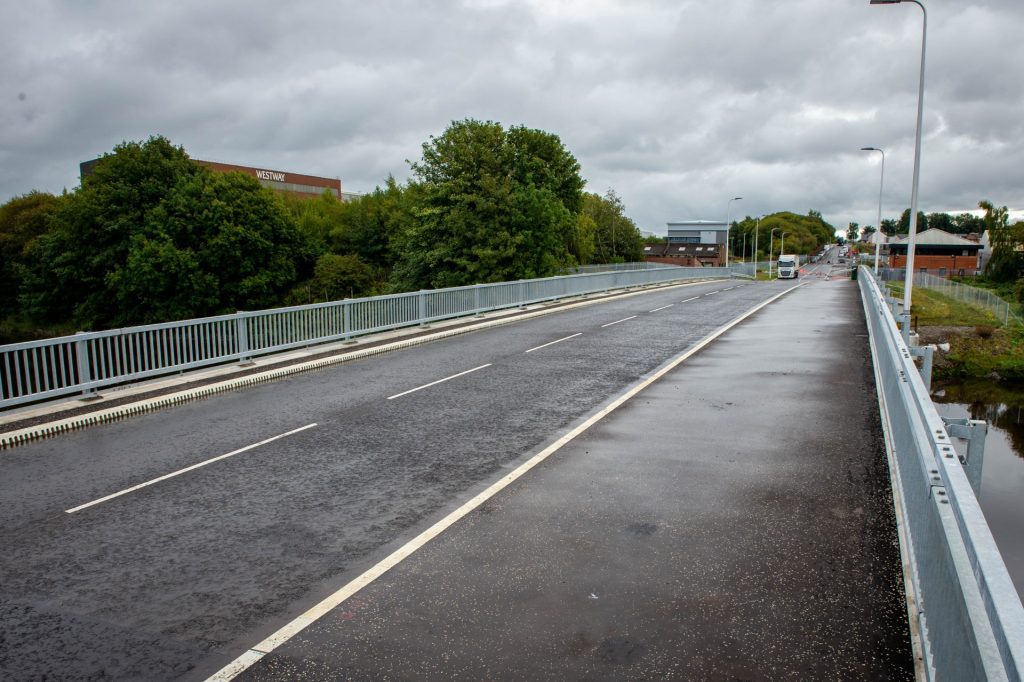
(782,246)
(881,183)
(757,226)
(771,250)
(728,206)
(912,242)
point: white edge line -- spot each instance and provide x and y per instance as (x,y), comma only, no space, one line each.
(617,321)
(661,308)
(185,470)
(439,381)
(250,657)
(690,299)
(551,343)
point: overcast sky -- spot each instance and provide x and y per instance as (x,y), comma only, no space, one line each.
(677,106)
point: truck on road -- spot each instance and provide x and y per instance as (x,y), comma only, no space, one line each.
(789,264)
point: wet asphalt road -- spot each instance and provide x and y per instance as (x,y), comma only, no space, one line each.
(176,579)
(731,522)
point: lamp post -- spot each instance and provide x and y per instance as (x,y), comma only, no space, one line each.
(757,226)
(881,184)
(728,207)
(912,241)
(782,246)
(771,250)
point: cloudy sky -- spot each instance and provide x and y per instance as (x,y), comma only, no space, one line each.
(676,105)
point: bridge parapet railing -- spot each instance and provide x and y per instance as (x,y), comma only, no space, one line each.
(969,614)
(88,361)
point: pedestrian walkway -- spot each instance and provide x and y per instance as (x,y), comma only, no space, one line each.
(733,521)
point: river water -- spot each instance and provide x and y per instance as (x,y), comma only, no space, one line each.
(1002,480)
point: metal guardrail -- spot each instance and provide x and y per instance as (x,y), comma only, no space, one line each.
(969,614)
(979,298)
(87,361)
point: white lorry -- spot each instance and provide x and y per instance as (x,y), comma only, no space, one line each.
(788,266)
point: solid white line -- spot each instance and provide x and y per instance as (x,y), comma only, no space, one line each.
(253,655)
(439,381)
(661,308)
(185,470)
(571,336)
(617,321)
(690,299)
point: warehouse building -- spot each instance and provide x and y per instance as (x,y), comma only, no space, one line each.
(282,181)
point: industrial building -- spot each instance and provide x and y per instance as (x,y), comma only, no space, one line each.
(297,184)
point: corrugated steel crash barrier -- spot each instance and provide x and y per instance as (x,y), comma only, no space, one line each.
(968,614)
(88,361)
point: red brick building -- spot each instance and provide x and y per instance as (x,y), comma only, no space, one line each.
(689,255)
(282,181)
(938,253)
(293,183)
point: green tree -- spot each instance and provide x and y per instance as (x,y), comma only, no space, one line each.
(903,226)
(890,227)
(335,277)
(369,226)
(152,236)
(92,231)
(494,205)
(966,223)
(1005,264)
(616,237)
(23,220)
(852,232)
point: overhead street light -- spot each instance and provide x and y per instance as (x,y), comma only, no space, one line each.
(771,249)
(728,206)
(912,241)
(881,184)
(757,226)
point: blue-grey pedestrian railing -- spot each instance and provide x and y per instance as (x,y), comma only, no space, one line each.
(88,361)
(969,615)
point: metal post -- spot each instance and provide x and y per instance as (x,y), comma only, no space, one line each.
(242,338)
(422,298)
(757,226)
(881,184)
(84,369)
(912,241)
(974,431)
(728,206)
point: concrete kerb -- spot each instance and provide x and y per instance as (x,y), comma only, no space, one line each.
(25,435)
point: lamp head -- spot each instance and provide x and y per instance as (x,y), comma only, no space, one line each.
(870,149)
(886,2)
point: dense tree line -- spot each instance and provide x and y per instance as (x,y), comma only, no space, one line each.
(804,234)
(152,236)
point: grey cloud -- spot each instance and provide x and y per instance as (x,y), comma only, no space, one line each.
(676,105)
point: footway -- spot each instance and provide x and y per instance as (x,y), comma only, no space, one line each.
(733,520)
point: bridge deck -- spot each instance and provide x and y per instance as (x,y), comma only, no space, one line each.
(732,521)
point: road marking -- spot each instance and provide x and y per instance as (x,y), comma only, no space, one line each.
(289,630)
(439,381)
(690,299)
(186,469)
(617,321)
(711,293)
(661,308)
(551,343)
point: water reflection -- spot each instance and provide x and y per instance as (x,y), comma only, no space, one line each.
(1002,480)
(1001,406)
